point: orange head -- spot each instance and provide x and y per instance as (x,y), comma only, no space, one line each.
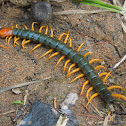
(5,32)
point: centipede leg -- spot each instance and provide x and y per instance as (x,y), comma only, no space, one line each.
(33,29)
(93,60)
(88,91)
(100,66)
(71,66)
(74,71)
(65,65)
(15,41)
(54,54)
(119,96)
(105,73)
(38,45)
(93,96)
(108,74)
(115,86)
(25,42)
(49,51)
(8,39)
(61,58)
(84,84)
(79,76)
(87,53)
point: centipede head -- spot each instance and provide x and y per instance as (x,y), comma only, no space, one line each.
(5,32)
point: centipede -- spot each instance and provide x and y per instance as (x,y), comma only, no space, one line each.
(66,50)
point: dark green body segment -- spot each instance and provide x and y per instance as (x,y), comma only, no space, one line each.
(76,57)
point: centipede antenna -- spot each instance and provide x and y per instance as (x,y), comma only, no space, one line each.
(61,58)
(33,29)
(87,53)
(93,60)
(54,54)
(76,70)
(49,51)
(113,87)
(93,96)
(15,41)
(79,76)
(25,42)
(84,84)
(38,45)
(80,46)
(88,91)
(100,66)
(119,96)
(65,65)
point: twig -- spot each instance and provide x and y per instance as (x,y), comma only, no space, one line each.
(91,116)
(66,12)
(7,112)
(117,64)
(22,85)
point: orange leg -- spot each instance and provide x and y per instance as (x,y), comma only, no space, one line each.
(79,76)
(61,58)
(88,91)
(15,41)
(38,45)
(54,54)
(93,60)
(100,66)
(105,73)
(108,74)
(65,65)
(76,70)
(8,39)
(33,29)
(49,51)
(93,96)
(87,53)
(84,84)
(71,66)
(112,87)
(119,96)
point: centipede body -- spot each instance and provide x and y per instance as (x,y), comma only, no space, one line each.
(76,57)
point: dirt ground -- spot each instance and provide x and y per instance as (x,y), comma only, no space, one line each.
(102,31)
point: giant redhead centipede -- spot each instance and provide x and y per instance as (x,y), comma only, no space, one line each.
(78,60)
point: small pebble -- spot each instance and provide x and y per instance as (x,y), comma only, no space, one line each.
(41,11)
